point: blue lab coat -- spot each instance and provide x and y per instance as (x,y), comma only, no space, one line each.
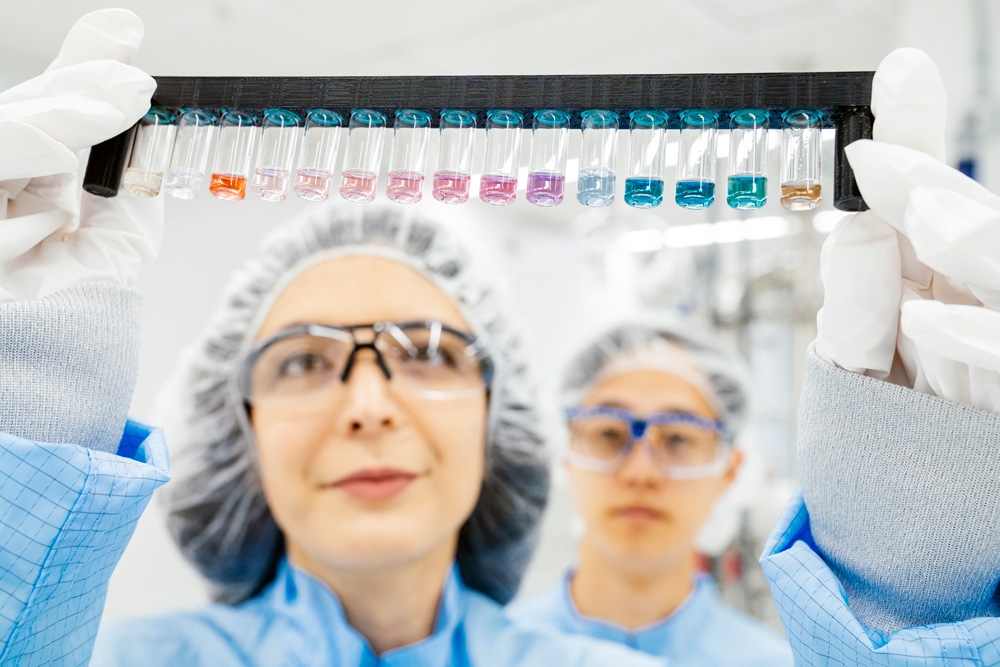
(702,632)
(822,629)
(66,515)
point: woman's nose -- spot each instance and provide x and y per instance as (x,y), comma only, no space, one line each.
(368,404)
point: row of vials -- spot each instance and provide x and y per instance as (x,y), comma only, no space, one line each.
(171,152)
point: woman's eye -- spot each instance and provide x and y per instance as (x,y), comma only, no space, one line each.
(434,356)
(301,364)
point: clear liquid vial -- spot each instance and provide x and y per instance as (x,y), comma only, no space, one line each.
(195,130)
(151,149)
(408,160)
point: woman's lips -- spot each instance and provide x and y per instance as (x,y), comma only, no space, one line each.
(380,484)
(638,513)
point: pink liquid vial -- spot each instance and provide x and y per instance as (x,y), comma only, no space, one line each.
(405,187)
(545,189)
(271,184)
(451,187)
(498,190)
(358,186)
(313,185)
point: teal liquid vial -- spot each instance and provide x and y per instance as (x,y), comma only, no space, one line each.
(747,192)
(695,194)
(644,192)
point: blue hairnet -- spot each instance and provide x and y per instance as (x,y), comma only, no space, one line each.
(216,507)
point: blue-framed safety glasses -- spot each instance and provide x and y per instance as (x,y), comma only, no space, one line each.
(682,445)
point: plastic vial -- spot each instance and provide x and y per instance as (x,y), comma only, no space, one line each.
(318,154)
(498,186)
(154,139)
(595,185)
(364,155)
(647,133)
(547,176)
(408,160)
(696,159)
(278,139)
(187,166)
(801,159)
(454,170)
(747,158)
(237,135)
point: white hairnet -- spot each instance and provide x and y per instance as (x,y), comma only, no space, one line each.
(701,358)
(216,508)
(673,345)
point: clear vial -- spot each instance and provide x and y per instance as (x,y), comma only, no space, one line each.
(801,159)
(498,185)
(696,158)
(647,134)
(195,129)
(408,160)
(279,137)
(318,154)
(364,155)
(547,175)
(747,188)
(595,185)
(154,139)
(454,170)
(237,136)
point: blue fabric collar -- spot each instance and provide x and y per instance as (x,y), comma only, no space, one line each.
(313,608)
(675,631)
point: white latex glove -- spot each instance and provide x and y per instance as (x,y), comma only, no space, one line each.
(912,287)
(52,234)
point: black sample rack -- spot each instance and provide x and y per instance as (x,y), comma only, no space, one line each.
(843,97)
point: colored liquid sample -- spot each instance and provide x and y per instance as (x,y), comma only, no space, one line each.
(545,189)
(595,187)
(644,192)
(142,183)
(271,184)
(747,192)
(695,194)
(228,186)
(498,190)
(405,187)
(313,185)
(182,183)
(358,186)
(800,196)
(451,187)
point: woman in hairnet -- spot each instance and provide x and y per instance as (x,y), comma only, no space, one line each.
(360,476)
(655,408)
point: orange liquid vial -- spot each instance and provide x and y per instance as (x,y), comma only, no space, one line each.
(228,186)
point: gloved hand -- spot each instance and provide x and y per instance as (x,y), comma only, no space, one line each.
(50,239)
(913,285)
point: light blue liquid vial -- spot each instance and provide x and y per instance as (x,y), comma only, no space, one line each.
(644,192)
(695,194)
(747,192)
(595,187)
